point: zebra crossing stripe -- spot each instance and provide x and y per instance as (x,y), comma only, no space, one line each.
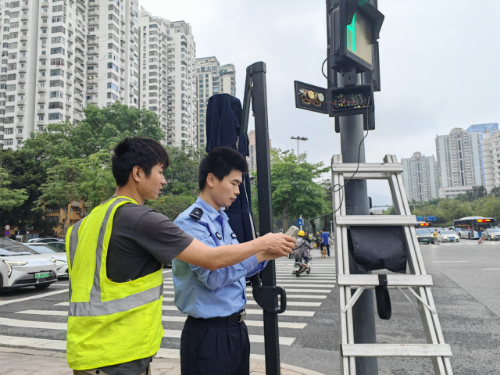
(304,290)
(176,319)
(32,297)
(176,334)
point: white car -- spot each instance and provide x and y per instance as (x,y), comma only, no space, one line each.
(52,252)
(20,268)
(447,235)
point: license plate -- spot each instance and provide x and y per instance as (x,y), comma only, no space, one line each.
(41,275)
(425,240)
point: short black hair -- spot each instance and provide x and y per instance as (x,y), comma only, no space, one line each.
(141,151)
(221,161)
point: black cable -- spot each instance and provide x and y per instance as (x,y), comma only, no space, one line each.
(342,187)
(323,69)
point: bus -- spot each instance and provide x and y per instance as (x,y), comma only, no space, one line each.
(468,227)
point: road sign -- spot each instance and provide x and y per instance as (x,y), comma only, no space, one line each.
(7,227)
(420,218)
(432,218)
(7,233)
(301,222)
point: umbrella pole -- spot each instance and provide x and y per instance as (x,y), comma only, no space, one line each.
(257,71)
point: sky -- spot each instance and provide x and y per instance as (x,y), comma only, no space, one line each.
(439,68)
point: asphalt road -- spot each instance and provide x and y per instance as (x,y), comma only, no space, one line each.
(466,292)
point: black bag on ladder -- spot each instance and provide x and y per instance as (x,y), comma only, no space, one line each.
(376,248)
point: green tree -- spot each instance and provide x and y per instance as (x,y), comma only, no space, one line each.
(101,129)
(25,172)
(476,192)
(61,188)
(450,209)
(182,175)
(293,189)
(96,182)
(171,206)
(10,198)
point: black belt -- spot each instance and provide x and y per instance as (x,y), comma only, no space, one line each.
(236,317)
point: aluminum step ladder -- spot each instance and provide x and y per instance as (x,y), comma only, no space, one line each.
(418,283)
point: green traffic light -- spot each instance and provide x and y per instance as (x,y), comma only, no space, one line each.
(351,31)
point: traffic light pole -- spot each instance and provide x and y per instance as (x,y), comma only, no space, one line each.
(356,199)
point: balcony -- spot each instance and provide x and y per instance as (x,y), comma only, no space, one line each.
(68,103)
(23,59)
(24,27)
(93,101)
(19,135)
(94,23)
(93,42)
(21,102)
(24,18)
(93,13)
(21,80)
(92,92)
(21,91)
(39,123)
(24,38)
(41,89)
(25,7)
(40,111)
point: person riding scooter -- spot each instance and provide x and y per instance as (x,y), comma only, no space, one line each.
(301,251)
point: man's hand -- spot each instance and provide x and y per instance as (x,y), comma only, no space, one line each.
(277,244)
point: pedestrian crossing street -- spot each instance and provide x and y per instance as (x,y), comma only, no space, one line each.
(43,324)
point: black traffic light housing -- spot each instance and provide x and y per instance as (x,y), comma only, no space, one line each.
(353,30)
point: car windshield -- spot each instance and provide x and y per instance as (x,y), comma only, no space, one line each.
(423,231)
(15,247)
(57,247)
(493,230)
(41,249)
(447,232)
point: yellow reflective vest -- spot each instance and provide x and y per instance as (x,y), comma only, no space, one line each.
(108,323)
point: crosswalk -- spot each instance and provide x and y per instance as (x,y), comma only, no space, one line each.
(44,321)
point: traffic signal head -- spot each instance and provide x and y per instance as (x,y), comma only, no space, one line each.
(353,29)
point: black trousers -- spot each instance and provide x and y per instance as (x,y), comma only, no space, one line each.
(214,348)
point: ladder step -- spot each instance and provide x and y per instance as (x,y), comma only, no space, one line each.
(396,350)
(376,220)
(367,176)
(367,168)
(392,280)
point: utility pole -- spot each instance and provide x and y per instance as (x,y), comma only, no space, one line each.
(299,139)
(353,74)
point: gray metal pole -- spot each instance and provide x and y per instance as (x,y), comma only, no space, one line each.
(356,199)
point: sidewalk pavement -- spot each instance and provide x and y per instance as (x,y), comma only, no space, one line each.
(18,361)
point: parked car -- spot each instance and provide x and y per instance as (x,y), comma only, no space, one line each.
(52,251)
(19,268)
(491,234)
(425,236)
(447,235)
(46,240)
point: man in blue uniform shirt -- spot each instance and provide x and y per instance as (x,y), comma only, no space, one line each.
(215,338)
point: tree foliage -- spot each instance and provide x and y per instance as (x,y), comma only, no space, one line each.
(182,175)
(10,198)
(293,189)
(171,206)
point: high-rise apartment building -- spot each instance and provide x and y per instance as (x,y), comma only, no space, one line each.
(168,82)
(59,56)
(491,156)
(458,161)
(481,129)
(213,79)
(419,177)
(252,151)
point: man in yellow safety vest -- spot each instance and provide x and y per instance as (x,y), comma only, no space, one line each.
(115,262)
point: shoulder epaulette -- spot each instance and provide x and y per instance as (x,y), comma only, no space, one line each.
(197,213)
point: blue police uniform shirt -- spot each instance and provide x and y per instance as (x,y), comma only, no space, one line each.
(200,292)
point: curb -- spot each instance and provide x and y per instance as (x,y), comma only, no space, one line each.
(167,358)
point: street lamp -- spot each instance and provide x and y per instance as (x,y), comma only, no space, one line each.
(299,139)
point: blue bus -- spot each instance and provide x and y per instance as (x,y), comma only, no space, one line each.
(468,227)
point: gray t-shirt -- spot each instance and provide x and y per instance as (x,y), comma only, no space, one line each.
(141,241)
